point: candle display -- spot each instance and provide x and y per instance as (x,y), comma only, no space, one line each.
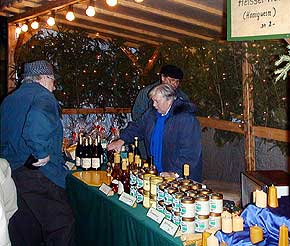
(283,236)
(227,223)
(212,241)
(238,223)
(272,197)
(256,234)
(260,198)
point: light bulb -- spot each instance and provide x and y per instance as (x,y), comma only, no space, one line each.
(90,11)
(70,16)
(112,3)
(24,28)
(138,1)
(35,25)
(18,30)
(50,21)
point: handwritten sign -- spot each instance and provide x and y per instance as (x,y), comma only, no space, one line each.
(258,19)
(155,215)
(169,227)
(127,199)
(105,189)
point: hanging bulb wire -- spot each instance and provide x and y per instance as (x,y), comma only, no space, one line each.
(70,16)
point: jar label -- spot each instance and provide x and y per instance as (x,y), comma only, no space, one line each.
(133,179)
(139,183)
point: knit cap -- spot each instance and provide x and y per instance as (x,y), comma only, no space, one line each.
(41,67)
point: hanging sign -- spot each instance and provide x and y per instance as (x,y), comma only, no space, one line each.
(257,19)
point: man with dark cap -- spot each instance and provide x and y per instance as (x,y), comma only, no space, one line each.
(31,140)
(169,74)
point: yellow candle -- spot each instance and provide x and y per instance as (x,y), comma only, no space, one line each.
(205,235)
(260,198)
(130,157)
(238,223)
(227,224)
(256,234)
(212,241)
(117,158)
(283,236)
(272,197)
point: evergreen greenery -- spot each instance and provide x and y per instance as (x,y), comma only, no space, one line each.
(95,73)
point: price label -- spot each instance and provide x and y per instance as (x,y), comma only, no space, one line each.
(127,199)
(105,189)
(155,215)
(169,227)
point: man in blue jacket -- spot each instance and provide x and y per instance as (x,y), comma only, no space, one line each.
(31,140)
(171,133)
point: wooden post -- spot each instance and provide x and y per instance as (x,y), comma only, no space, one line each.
(12,42)
(248,102)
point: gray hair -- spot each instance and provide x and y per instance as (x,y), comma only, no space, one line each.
(165,90)
(30,79)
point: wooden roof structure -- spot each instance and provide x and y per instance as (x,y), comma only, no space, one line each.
(151,21)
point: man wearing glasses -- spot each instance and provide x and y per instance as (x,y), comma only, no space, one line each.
(169,74)
(31,140)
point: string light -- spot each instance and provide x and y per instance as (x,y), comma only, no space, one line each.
(70,16)
(17,30)
(24,28)
(35,24)
(138,1)
(112,3)
(51,19)
(90,11)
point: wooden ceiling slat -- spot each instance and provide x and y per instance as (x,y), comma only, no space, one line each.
(151,23)
(203,7)
(169,15)
(100,30)
(113,24)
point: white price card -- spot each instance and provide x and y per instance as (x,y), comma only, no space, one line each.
(128,199)
(105,189)
(155,215)
(169,227)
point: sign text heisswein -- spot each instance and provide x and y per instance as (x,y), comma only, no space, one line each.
(259,17)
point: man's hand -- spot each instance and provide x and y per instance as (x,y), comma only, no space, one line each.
(41,162)
(116,145)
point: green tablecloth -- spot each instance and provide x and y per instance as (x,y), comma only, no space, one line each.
(102,220)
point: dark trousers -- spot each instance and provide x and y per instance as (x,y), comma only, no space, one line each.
(44,216)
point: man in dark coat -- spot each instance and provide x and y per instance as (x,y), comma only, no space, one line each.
(171,133)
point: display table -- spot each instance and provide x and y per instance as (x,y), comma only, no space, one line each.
(102,220)
(269,219)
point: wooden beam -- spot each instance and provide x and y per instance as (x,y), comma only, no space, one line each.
(151,23)
(42,10)
(113,24)
(12,42)
(169,15)
(248,102)
(12,10)
(100,30)
(26,4)
(221,124)
(271,133)
(203,7)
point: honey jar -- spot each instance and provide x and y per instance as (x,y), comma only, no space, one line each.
(168,192)
(187,225)
(216,203)
(187,207)
(202,205)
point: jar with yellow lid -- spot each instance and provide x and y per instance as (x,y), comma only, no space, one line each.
(177,196)
(185,182)
(205,191)
(154,182)
(153,203)
(160,206)
(161,191)
(168,192)
(187,225)
(192,193)
(140,180)
(184,188)
(202,205)
(195,186)
(201,223)
(174,183)
(216,203)
(187,207)
(214,221)
(168,212)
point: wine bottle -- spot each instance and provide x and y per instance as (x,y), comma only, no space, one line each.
(86,158)
(101,151)
(123,153)
(136,149)
(79,150)
(96,160)
(116,177)
(125,177)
